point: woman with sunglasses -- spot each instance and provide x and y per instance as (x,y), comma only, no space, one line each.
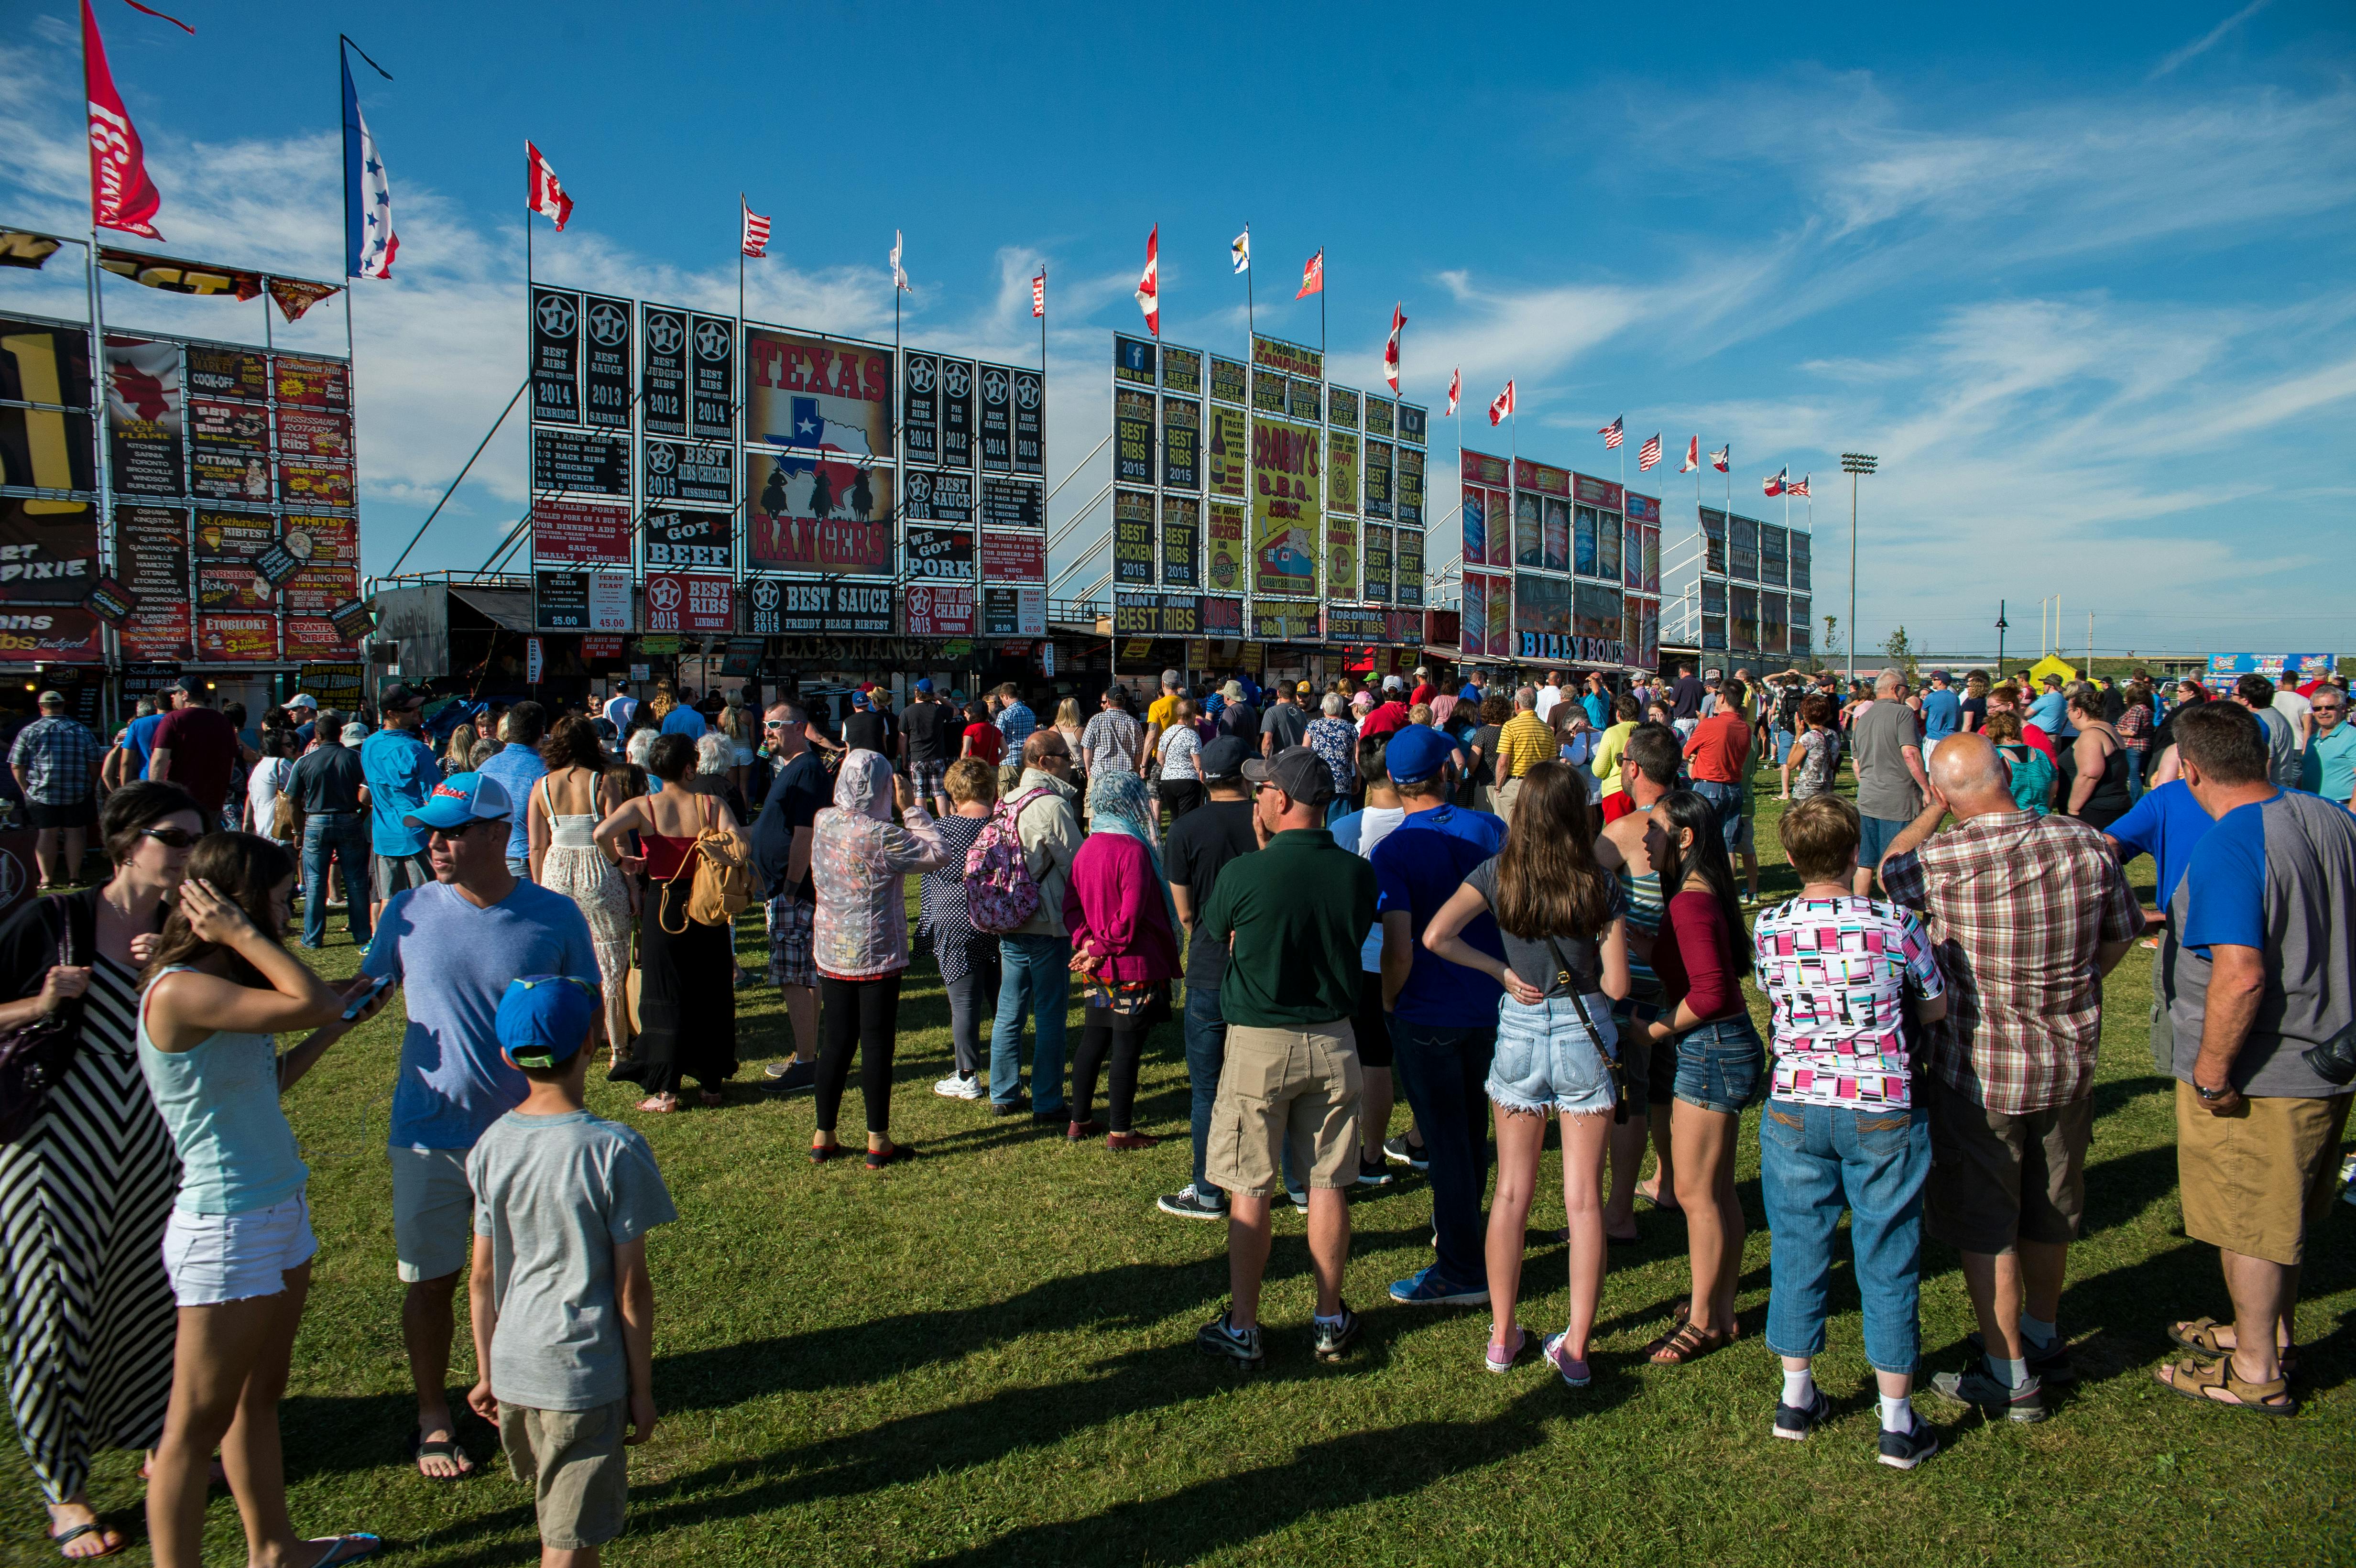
(85,1190)
(238,1246)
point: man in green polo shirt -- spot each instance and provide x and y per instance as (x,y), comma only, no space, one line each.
(1293,916)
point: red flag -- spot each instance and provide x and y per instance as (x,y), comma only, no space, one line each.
(1455,386)
(1390,349)
(1312,275)
(1693,456)
(1648,454)
(1039,294)
(1149,287)
(541,193)
(121,194)
(1501,405)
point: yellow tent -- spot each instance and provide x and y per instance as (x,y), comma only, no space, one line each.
(2052,664)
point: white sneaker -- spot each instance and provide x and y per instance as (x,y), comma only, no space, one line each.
(957,1086)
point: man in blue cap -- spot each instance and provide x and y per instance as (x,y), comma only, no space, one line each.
(460,938)
(1443,1018)
(926,747)
(562,1304)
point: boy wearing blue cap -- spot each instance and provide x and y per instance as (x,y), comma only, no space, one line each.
(563,1308)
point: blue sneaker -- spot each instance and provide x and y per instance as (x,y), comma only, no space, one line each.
(1426,1288)
(1797,1420)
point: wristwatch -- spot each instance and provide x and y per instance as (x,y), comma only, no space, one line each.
(2209,1094)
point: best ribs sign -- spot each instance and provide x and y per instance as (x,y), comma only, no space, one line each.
(689,601)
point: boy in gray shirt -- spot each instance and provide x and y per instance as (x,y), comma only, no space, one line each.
(563,1308)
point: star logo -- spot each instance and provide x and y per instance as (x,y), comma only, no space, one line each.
(1026,392)
(957,378)
(920,374)
(664,333)
(661,457)
(993,385)
(767,594)
(808,427)
(663,593)
(556,315)
(712,340)
(920,488)
(920,602)
(609,323)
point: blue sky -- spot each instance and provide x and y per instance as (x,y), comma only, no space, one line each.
(2079,275)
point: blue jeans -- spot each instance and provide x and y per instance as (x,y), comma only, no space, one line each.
(1038,979)
(2134,773)
(1727,801)
(1444,1071)
(342,836)
(1813,1160)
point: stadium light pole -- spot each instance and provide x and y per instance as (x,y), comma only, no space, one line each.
(1854,464)
(2000,624)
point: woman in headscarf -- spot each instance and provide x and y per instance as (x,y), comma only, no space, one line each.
(1124,950)
(860,861)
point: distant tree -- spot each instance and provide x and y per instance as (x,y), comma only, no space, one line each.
(1832,635)
(1900,650)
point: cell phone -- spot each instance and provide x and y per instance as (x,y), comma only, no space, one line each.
(361,1003)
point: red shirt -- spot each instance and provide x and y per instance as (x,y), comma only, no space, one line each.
(1696,965)
(2033,736)
(1423,693)
(1719,745)
(1387,720)
(203,744)
(987,743)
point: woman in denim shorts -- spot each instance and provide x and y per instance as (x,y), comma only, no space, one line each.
(1556,914)
(1719,1058)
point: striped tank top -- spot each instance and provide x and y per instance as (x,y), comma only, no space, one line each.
(1645,912)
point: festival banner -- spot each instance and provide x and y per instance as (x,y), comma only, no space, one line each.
(1742,619)
(609,601)
(1798,629)
(1713,533)
(1226,451)
(1030,422)
(956,413)
(560,600)
(1742,548)
(1132,536)
(215,371)
(1341,556)
(939,553)
(1182,444)
(810,513)
(1355,624)
(1156,614)
(316,590)
(1529,537)
(580,531)
(920,407)
(1472,626)
(711,381)
(1133,360)
(662,371)
(1378,416)
(234,586)
(1013,504)
(681,540)
(1133,437)
(1773,634)
(1283,623)
(939,609)
(1651,583)
(1018,611)
(354,619)
(1474,516)
(1342,470)
(1774,557)
(144,416)
(1713,597)
(1013,557)
(689,602)
(1182,370)
(237,639)
(937,495)
(1501,616)
(302,433)
(47,554)
(1223,617)
(1414,424)
(1228,381)
(1285,506)
(555,356)
(1342,407)
(1407,567)
(1600,494)
(1377,473)
(1799,566)
(315,484)
(1648,636)
(821,393)
(1595,614)
(605,377)
(233,536)
(1607,546)
(691,472)
(110,600)
(1304,401)
(1375,563)
(1182,541)
(44,448)
(777,608)
(1582,540)
(1223,557)
(1542,605)
(1287,359)
(577,461)
(1631,555)
(1411,486)
(1267,392)
(996,426)
(50,634)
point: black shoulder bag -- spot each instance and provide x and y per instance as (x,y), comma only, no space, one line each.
(1575,984)
(36,1057)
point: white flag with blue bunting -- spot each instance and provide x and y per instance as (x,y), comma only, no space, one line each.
(368,240)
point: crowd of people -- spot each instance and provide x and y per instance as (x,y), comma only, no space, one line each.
(1505,907)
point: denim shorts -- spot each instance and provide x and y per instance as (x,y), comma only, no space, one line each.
(1547,1061)
(213,1258)
(1722,1066)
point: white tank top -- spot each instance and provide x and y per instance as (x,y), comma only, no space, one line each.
(567,832)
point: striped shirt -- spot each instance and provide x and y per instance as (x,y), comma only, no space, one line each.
(1524,742)
(58,756)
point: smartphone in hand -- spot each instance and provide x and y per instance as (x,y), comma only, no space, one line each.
(359,1004)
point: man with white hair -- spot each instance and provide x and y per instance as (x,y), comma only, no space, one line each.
(1886,740)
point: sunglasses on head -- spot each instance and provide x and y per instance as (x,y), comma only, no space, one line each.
(171,837)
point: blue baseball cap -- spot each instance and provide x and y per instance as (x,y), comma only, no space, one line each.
(859,700)
(1415,753)
(544,1019)
(460,799)
(925,683)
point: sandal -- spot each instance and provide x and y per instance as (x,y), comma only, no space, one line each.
(2200,1336)
(659,1104)
(897,1155)
(355,1547)
(822,1153)
(1684,1310)
(2202,1381)
(63,1538)
(439,1448)
(1683,1344)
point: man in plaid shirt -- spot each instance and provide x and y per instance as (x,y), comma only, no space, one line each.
(1016,720)
(56,762)
(2027,914)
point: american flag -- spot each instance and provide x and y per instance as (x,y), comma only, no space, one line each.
(1039,293)
(1612,434)
(1774,483)
(1149,287)
(1649,454)
(1455,386)
(541,193)
(1693,456)
(1800,488)
(1501,405)
(1722,458)
(756,229)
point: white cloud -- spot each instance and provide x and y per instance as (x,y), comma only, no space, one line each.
(2206,41)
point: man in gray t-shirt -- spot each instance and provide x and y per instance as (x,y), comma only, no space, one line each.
(1886,740)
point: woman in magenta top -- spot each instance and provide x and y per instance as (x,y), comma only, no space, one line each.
(1124,950)
(1701,953)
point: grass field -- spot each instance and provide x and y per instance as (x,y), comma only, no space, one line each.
(986,1356)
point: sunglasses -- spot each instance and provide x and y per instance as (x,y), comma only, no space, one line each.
(171,837)
(466,827)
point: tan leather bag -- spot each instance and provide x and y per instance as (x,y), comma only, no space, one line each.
(724,881)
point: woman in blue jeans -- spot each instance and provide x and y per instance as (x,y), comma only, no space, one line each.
(1701,955)
(1842,973)
(1559,912)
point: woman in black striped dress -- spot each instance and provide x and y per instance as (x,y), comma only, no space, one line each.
(86,1312)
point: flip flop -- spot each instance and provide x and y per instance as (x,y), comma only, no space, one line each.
(93,1528)
(439,1448)
(362,1545)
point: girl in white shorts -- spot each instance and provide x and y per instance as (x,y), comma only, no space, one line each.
(239,1245)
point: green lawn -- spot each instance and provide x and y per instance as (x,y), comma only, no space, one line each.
(988,1355)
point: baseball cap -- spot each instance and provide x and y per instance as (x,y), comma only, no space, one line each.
(402,695)
(50,699)
(190,685)
(860,701)
(1223,759)
(1393,683)
(1415,753)
(925,683)
(1297,771)
(544,1019)
(1305,689)
(460,799)
(301,699)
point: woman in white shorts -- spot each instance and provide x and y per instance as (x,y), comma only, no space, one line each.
(239,1244)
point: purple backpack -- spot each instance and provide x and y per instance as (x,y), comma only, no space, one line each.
(1000,895)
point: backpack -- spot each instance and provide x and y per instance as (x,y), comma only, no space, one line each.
(724,878)
(1000,893)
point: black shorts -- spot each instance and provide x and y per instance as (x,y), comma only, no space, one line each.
(78,814)
(1372,1027)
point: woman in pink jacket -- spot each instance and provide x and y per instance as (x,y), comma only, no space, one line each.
(860,861)
(1124,950)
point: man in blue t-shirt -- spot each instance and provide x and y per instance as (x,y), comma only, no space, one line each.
(1943,712)
(2168,824)
(1443,1019)
(518,767)
(463,936)
(401,773)
(2266,975)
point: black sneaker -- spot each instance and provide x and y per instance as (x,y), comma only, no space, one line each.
(1241,1346)
(1797,1420)
(1057,1118)
(795,1077)
(1978,1387)
(1013,1107)
(1904,1450)
(1188,1203)
(1374,1172)
(1332,1341)
(1398,1151)
(2051,1364)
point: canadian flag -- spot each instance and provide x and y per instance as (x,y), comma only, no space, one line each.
(1455,386)
(1693,456)
(1149,287)
(542,193)
(1390,349)
(1774,483)
(121,194)
(1501,405)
